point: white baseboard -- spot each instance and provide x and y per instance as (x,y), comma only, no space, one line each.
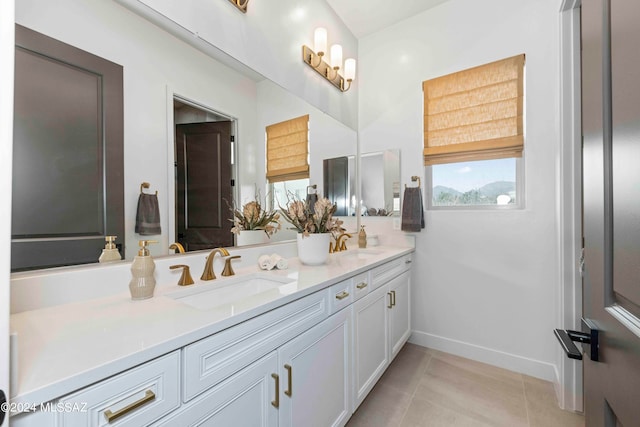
(512,362)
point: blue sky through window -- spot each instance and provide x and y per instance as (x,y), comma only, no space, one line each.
(467,176)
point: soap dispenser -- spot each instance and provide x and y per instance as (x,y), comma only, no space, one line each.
(142,282)
(362,238)
(110,252)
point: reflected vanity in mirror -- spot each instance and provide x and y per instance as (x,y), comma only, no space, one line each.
(379,178)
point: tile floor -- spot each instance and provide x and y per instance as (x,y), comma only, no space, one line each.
(424,387)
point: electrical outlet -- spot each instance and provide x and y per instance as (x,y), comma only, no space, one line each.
(396,223)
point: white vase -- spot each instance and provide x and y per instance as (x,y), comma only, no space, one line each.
(251,237)
(314,248)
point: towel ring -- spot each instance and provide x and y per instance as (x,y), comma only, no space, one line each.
(414,178)
(145,185)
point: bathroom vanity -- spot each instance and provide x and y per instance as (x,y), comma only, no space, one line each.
(295,347)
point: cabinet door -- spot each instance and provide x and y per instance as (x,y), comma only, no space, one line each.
(399,313)
(246,399)
(315,375)
(370,342)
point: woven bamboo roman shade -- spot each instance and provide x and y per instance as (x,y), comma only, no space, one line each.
(475,114)
(287,150)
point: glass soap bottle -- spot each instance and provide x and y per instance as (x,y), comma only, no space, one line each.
(142,281)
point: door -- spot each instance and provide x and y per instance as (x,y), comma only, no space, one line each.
(203,185)
(247,399)
(399,313)
(611,207)
(370,349)
(314,375)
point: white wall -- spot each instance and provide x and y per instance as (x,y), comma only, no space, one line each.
(269,39)
(153,61)
(485,282)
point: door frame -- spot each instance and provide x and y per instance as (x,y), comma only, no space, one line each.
(569,390)
(172,95)
(7,52)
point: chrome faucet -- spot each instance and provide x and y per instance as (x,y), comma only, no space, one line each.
(340,245)
(208,273)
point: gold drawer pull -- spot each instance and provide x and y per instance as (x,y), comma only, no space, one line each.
(361,285)
(393,298)
(289,391)
(390,300)
(276,402)
(342,295)
(112,416)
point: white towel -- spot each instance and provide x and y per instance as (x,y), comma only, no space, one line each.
(265,263)
(279,262)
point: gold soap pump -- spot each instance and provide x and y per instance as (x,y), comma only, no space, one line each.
(110,251)
(142,282)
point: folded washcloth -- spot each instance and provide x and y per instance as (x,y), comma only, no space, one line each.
(412,210)
(148,215)
(282,264)
(265,263)
(279,262)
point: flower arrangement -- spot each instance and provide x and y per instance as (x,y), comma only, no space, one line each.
(253,217)
(309,219)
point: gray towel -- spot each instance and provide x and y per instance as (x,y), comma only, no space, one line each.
(148,216)
(312,198)
(412,210)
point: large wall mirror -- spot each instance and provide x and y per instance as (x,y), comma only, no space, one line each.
(164,79)
(379,183)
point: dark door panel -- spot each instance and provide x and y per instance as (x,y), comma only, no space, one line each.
(611,208)
(68,180)
(203,183)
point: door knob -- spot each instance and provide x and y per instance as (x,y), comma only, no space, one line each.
(588,336)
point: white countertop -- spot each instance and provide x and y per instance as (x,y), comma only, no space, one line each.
(66,347)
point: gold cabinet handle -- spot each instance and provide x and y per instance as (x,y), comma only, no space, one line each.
(289,390)
(390,300)
(361,285)
(112,416)
(276,402)
(393,298)
(342,295)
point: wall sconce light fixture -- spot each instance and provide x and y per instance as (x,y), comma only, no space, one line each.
(329,70)
(240,4)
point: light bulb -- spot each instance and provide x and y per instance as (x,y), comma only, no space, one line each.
(320,40)
(350,69)
(336,56)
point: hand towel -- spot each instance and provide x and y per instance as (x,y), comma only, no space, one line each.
(312,198)
(264,262)
(279,262)
(412,209)
(148,215)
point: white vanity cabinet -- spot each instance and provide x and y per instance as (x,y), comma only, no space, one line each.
(381,324)
(314,374)
(309,362)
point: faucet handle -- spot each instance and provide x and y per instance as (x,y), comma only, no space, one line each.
(228,270)
(185,278)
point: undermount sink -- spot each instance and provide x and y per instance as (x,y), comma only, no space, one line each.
(239,293)
(361,253)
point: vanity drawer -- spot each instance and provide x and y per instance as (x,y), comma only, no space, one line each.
(211,360)
(361,285)
(135,397)
(387,271)
(341,295)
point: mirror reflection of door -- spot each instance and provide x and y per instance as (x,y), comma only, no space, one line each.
(336,183)
(203,178)
(611,208)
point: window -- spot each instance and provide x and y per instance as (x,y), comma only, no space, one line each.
(288,160)
(474,135)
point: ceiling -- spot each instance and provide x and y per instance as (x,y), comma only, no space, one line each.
(364,17)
